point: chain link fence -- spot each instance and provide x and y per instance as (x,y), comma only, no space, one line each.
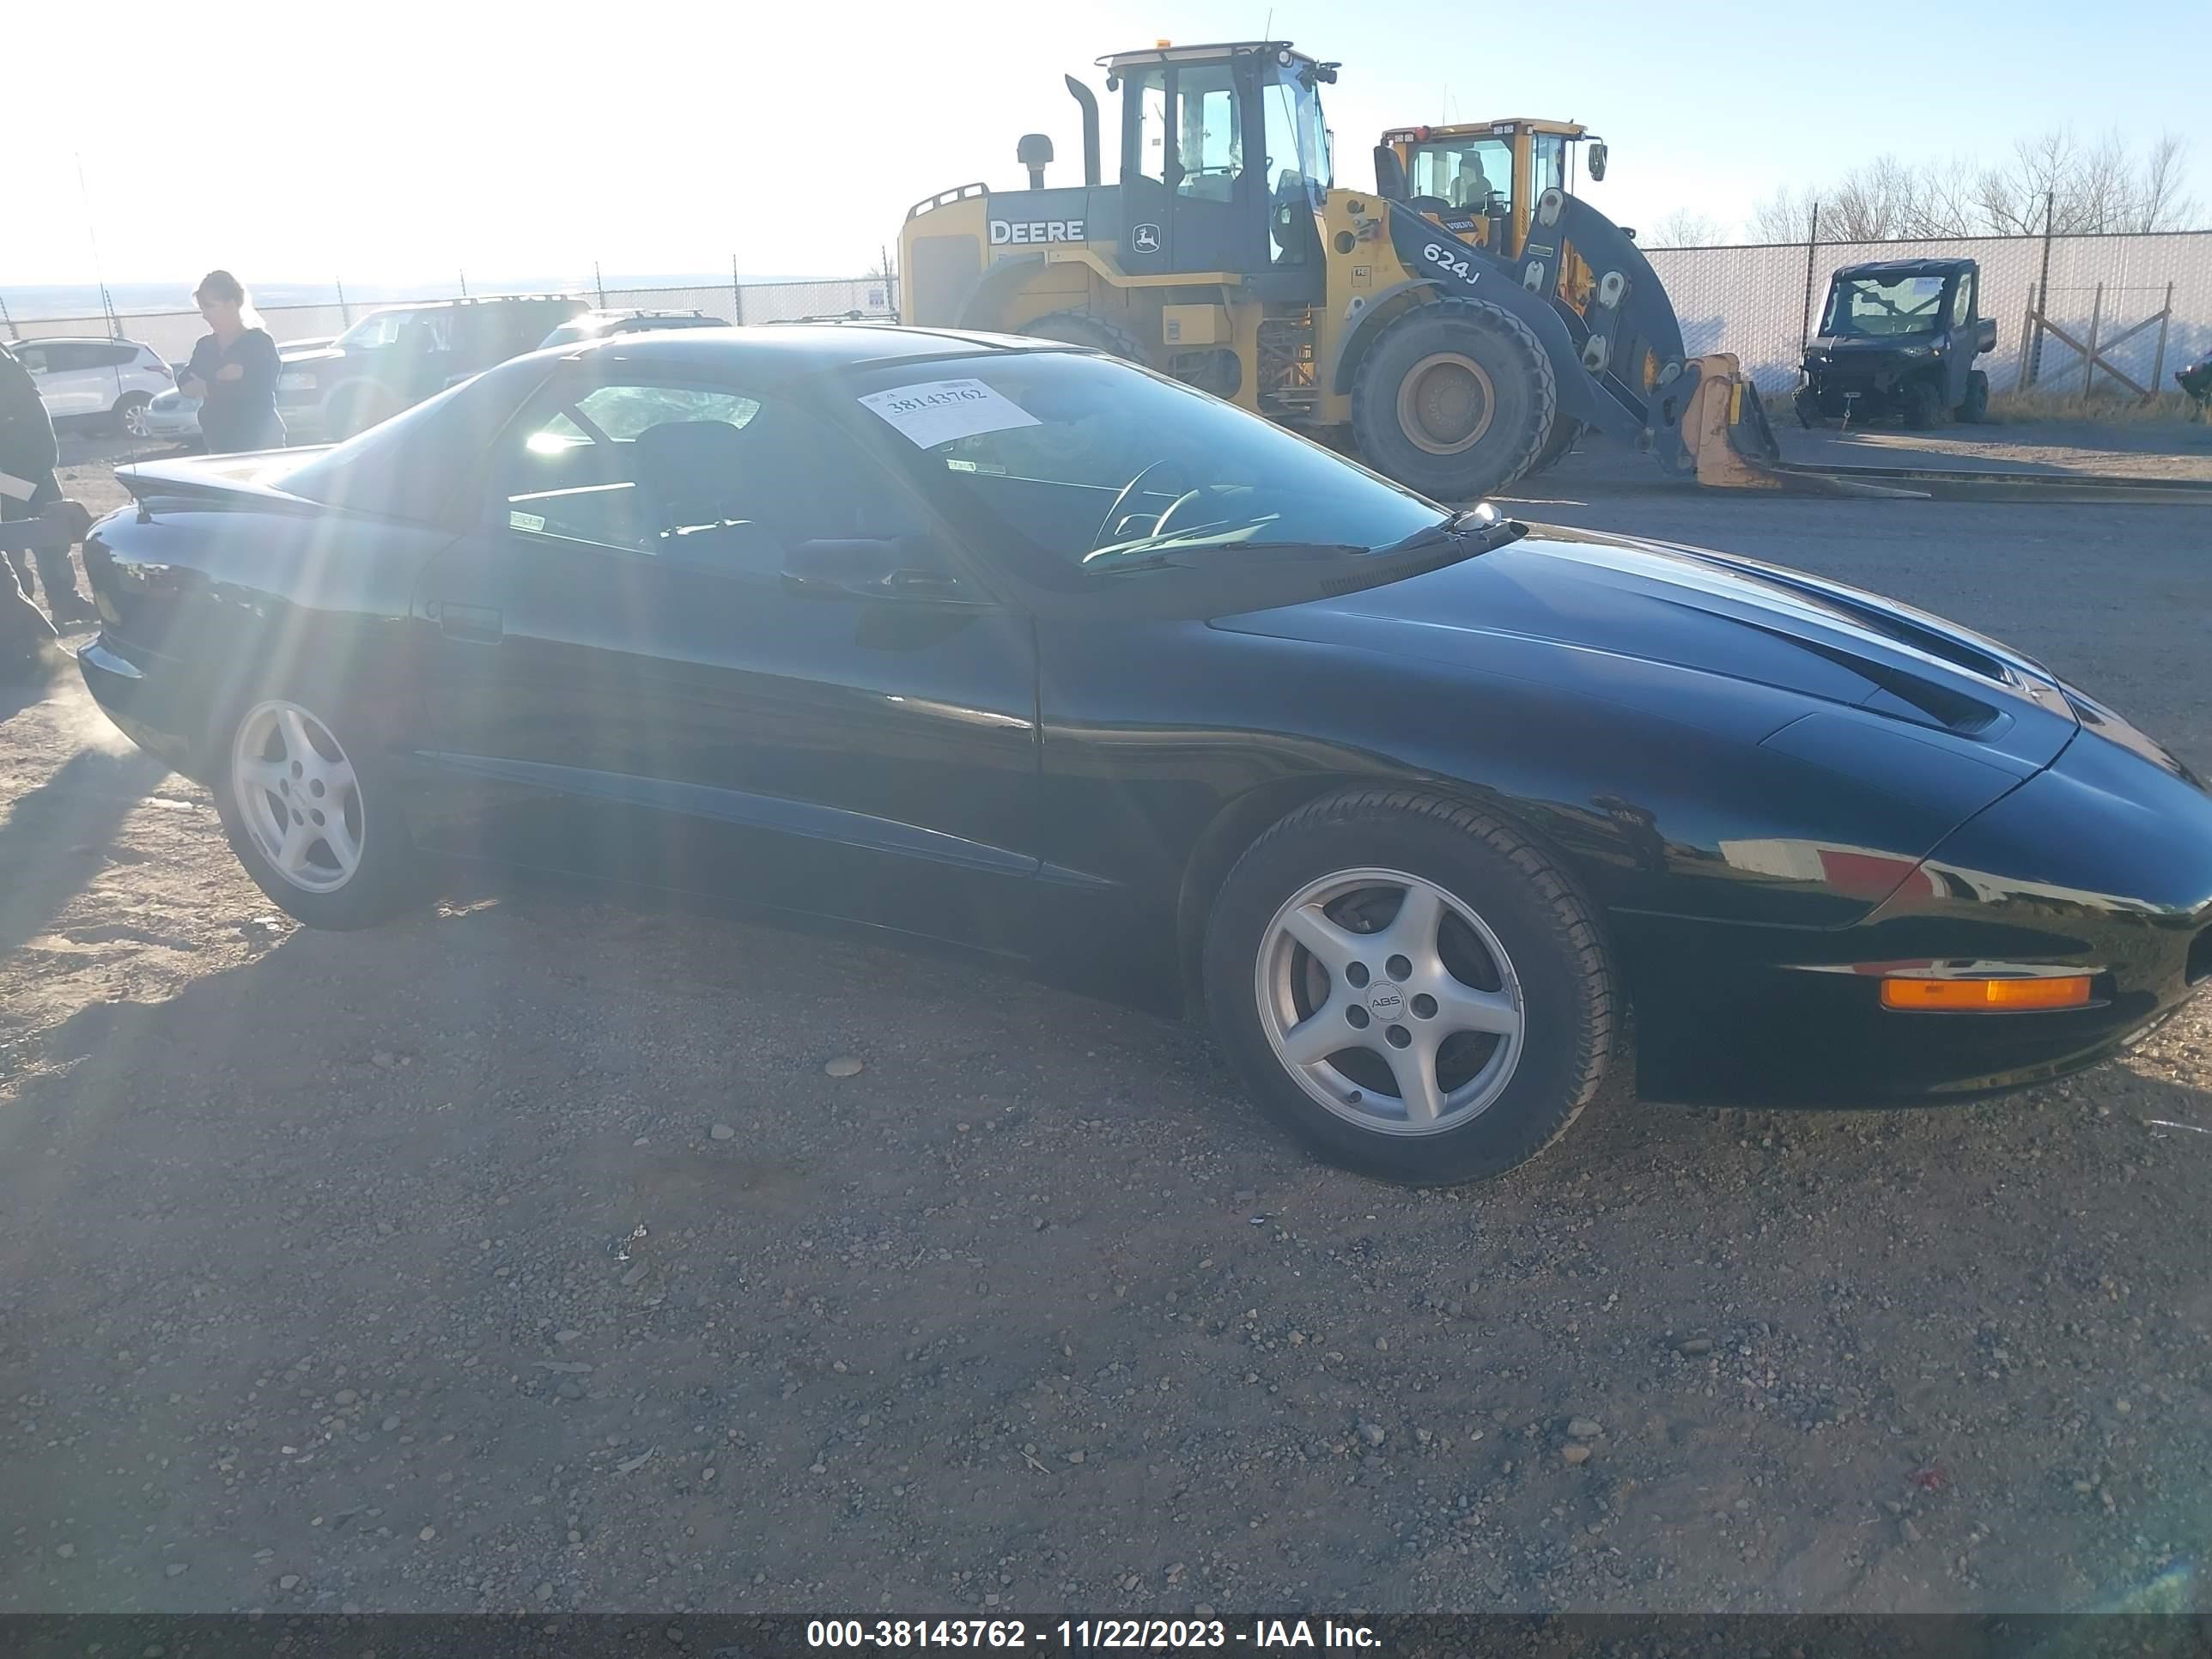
(1763,302)
(172,333)
(2151,293)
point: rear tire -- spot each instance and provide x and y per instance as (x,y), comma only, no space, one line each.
(1087,328)
(310,811)
(131,414)
(1512,966)
(1976,409)
(1455,399)
(1924,405)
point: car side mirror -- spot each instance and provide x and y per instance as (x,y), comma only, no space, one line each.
(911,569)
(1597,162)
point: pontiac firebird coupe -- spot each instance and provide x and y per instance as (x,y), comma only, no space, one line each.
(1019,647)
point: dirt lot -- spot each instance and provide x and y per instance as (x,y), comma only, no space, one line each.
(525,1254)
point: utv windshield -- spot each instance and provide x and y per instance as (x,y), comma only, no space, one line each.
(1869,307)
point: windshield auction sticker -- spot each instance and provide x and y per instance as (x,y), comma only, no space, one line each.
(939,411)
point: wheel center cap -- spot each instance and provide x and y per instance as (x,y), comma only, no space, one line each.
(1386,1002)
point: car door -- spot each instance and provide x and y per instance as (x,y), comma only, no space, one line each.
(623,685)
(70,381)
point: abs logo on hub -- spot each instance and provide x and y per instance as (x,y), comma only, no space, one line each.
(1005,231)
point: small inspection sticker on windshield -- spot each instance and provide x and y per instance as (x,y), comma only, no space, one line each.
(939,411)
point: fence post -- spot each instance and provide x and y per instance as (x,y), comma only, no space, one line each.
(2089,360)
(599,285)
(2021,379)
(2158,366)
(464,285)
(2043,286)
(737,293)
(344,310)
(8,322)
(1812,243)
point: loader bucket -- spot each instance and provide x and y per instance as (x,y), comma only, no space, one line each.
(1725,431)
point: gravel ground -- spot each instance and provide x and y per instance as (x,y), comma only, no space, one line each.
(535,1253)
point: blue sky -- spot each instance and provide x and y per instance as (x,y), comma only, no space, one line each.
(412,140)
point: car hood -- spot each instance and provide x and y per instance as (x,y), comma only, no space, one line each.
(1709,613)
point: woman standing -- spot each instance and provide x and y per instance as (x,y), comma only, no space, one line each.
(233,371)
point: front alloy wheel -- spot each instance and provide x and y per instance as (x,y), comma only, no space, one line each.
(1416,989)
(1389,1001)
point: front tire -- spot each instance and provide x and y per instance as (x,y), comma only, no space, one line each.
(1410,985)
(1807,405)
(1455,399)
(312,820)
(1924,405)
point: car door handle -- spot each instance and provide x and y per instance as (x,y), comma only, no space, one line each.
(475,625)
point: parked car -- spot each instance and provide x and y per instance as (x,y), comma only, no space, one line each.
(1021,646)
(92,378)
(172,416)
(598,325)
(399,356)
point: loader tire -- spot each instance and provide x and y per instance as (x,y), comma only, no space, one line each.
(1087,328)
(1455,399)
(1565,432)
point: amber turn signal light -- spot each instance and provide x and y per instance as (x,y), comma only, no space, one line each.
(1988,996)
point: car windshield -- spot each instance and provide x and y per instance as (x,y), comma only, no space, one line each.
(1869,307)
(1079,464)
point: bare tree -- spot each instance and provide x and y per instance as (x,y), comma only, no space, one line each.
(1784,217)
(2053,180)
(1686,228)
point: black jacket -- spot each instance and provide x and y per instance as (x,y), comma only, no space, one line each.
(28,449)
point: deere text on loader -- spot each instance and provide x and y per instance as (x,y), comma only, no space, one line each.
(1225,254)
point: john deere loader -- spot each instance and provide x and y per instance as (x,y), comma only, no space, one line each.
(1455,336)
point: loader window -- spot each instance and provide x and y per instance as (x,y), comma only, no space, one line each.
(1210,146)
(1551,163)
(1153,126)
(1474,173)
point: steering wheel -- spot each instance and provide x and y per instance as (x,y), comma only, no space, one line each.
(1127,493)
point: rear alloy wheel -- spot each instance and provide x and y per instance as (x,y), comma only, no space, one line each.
(305,819)
(1411,986)
(131,414)
(1455,399)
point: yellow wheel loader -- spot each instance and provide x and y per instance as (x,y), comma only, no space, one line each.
(1454,351)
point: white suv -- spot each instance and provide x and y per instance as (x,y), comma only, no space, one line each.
(93,377)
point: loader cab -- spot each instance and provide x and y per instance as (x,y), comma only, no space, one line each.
(1225,158)
(1482,180)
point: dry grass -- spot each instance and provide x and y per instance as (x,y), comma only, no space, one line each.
(2045,404)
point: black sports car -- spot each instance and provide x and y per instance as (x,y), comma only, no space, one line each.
(1022,647)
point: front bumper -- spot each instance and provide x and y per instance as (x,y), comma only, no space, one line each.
(2099,864)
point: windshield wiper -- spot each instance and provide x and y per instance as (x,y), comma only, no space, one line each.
(1478,528)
